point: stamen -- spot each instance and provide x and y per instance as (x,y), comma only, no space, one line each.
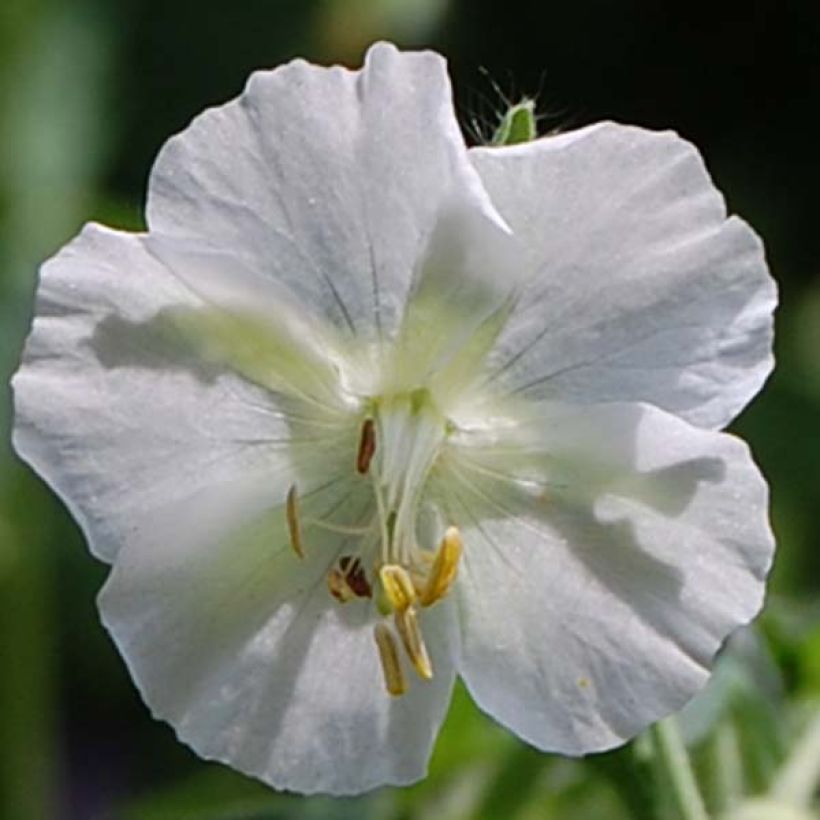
(444,568)
(398,586)
(348,580)
(367,446)
(355,576)
(394,679)
(292,515)
(338,586)
(340,529)
(408,627)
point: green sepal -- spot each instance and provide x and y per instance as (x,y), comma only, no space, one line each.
(517,125)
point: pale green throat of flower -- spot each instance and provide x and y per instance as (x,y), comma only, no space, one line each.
(400,438)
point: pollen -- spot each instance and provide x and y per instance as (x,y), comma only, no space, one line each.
(398,587)
(444,569)
(394,679)
(294,527)
(407,626)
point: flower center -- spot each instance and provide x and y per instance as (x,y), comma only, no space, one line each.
(401,436)
(409,430)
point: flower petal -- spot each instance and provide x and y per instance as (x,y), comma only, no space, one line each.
(246,322)
(326,180)
(126,421)
(643,290)
(239,645)
(463,289)
(609,550)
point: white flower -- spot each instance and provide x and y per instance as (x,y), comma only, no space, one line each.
(364,410)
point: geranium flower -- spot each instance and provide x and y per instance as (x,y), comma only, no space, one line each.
(363,411)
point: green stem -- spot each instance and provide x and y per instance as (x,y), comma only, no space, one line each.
(797,779)
(628,771)
(726,767)
(673,760)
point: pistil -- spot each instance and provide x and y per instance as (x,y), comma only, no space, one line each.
(410,431)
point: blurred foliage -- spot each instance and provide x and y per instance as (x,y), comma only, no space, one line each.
(89,89)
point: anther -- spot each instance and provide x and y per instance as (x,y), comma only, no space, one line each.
(367,446)
(444,569)
(338,586)
(394,679)
(294,528)
(408,628)
(355,576)
(348,580)
(398,587)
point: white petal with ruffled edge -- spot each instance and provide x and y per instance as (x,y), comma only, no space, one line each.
(239,646)
(609,551)
(118,410)
(643,289)
(328,181)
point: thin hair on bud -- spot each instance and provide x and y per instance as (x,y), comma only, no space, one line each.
(479,116)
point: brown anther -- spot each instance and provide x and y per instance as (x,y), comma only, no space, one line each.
(294,528)
(398,586)
(444,569)
(367,446)
(348,580)
(338,586)
(355,576)
(394,679)
(408,628)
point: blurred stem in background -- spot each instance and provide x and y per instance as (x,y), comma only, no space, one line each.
(797,780)
(675,775)
(51,93)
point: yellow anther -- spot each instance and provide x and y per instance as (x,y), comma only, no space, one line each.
(338,586)
(408,627)
(394,679)
(444,569)
(398,586)
(294,528)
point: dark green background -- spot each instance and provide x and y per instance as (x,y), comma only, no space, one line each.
(88,93)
